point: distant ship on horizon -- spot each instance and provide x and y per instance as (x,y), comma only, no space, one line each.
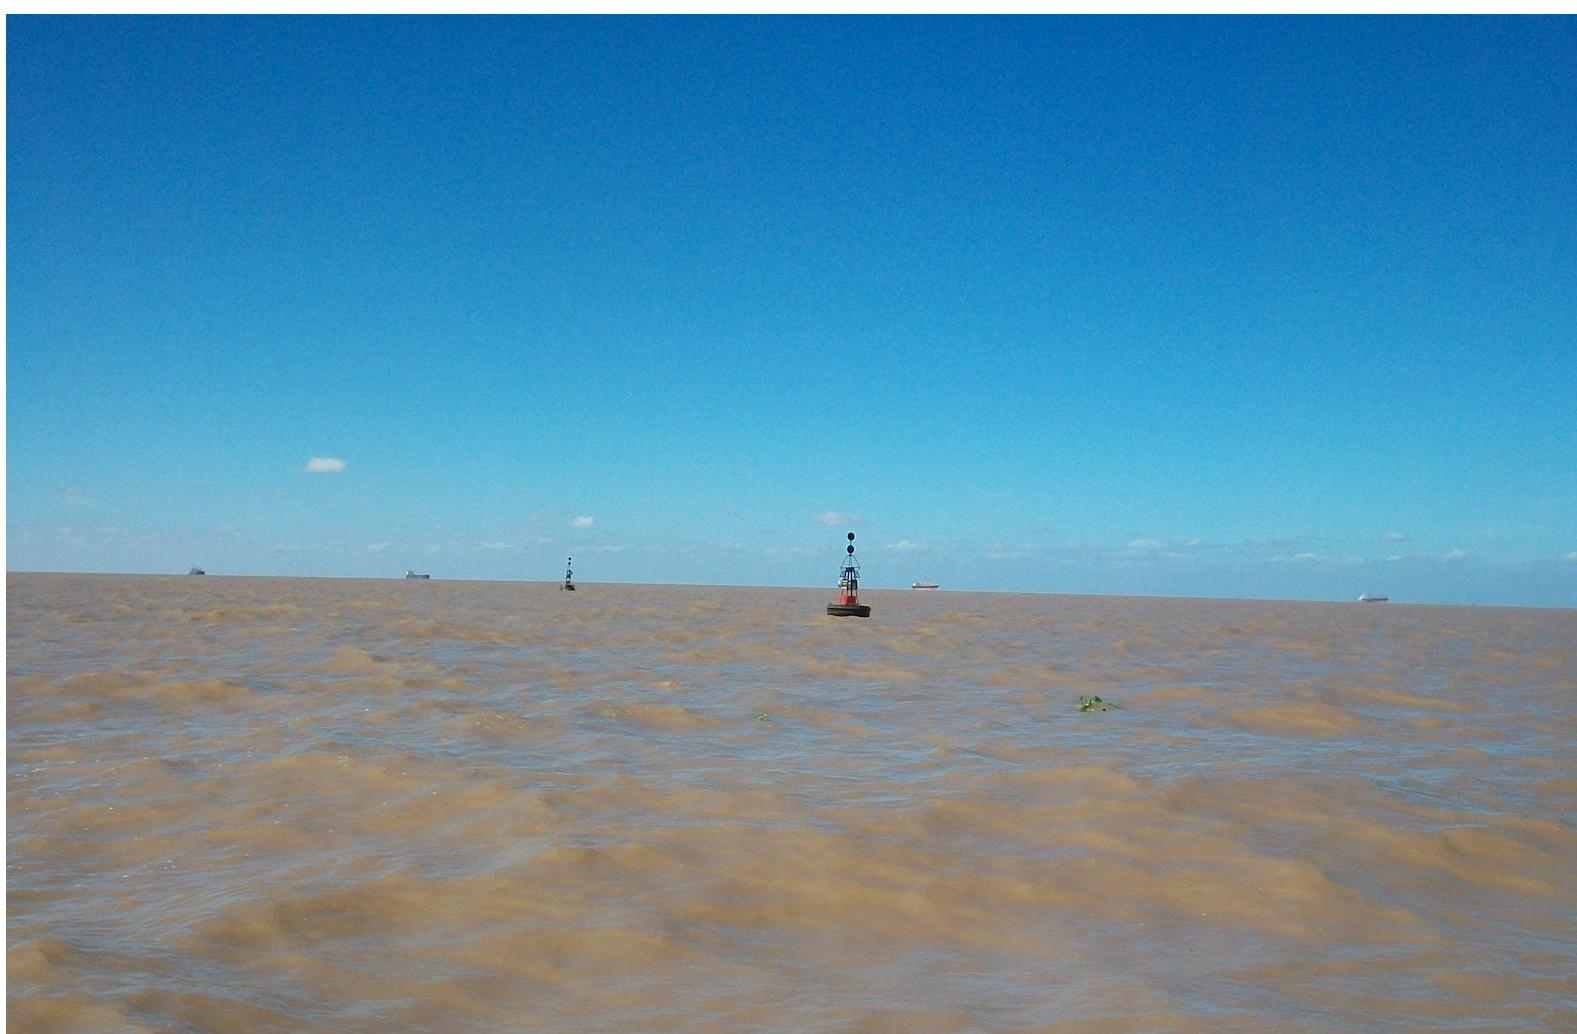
(412,574)
(925,585)
(1367,598)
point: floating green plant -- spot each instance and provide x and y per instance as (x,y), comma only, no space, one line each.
(1094,703)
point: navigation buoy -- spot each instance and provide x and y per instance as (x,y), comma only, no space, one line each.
(569,575)
(849,605)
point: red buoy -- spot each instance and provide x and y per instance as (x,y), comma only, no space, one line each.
(849,605)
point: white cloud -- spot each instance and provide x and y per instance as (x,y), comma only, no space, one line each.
(380,547)
(498,547)
(1571,558)
(1147,549)
(1456,554)
(583,522)
(906,546)
(1394,536)
(834,519)
(325,465)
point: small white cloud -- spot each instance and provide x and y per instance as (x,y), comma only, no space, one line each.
(1147,549)
(75,497)
(325,465)
(380,547)
(906,546)
(834,519)
(583,522)
(1395,536)
(1571,558)
(1456,554)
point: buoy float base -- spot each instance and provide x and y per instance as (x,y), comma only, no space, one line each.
(849,610)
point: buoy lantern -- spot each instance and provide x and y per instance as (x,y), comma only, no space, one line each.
(849,605)
(569,575)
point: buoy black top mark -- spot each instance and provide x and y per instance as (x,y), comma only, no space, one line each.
(569,575)
(849,605)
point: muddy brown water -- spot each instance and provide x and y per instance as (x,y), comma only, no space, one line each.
(250,804)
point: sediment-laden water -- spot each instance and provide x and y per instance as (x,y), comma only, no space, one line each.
(241,804)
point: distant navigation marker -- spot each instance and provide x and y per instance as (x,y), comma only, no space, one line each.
(569,575)
(849,605)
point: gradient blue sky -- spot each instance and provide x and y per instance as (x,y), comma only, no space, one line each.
(1250,307)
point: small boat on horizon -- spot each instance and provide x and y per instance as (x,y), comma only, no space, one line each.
(925,585)
(412,574)
(196,570)
(1367,598)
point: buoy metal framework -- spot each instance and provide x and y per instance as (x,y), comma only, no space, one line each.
(569,575)
(849,605)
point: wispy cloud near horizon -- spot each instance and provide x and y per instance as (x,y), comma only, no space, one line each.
(584,522)
(836,519)
(324,465)
(907,546)
(75,497)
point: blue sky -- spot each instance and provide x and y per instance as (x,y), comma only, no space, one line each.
(1247,307)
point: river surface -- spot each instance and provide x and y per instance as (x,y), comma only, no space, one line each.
(253,804)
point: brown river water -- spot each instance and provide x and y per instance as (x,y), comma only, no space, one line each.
(254,804)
